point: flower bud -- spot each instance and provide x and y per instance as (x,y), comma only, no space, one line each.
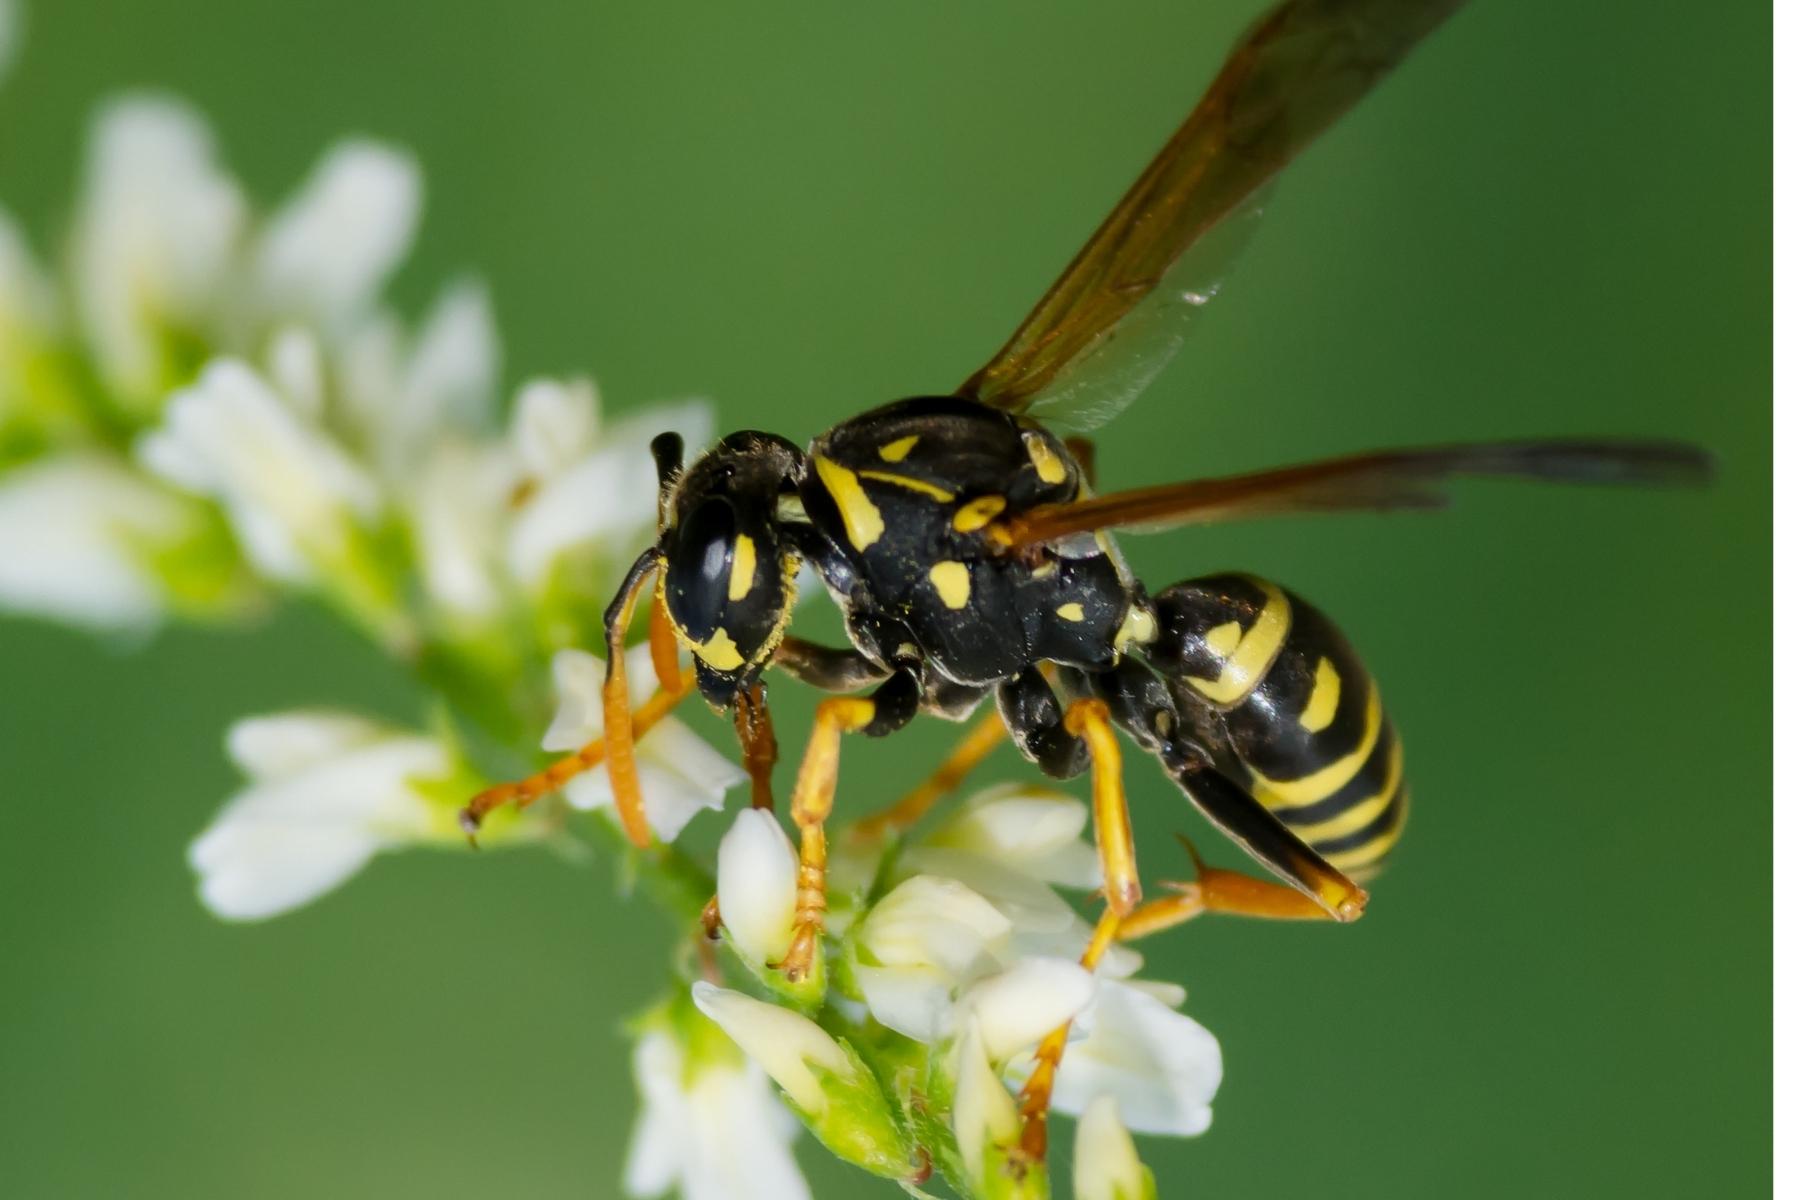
(757,889)
(834,1091)
(1106,1162)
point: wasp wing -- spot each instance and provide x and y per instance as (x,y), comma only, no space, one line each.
(1378,481)
(1303,65)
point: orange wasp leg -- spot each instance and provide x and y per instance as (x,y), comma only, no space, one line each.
(814,792)
(522,792)
(1089,720)
(1227,893)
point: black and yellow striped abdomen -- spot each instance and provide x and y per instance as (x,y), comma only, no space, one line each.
(1287,708)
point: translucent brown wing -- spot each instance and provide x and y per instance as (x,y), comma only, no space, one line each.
(1303,65)
(1381,480)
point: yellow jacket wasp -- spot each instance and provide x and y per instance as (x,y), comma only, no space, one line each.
(961,542)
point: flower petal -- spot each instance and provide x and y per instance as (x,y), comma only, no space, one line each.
(76,535)
(329,249)
(1161,1066)
(1020,1006)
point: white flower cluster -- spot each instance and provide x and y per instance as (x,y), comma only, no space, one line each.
(202,408)
(952,959)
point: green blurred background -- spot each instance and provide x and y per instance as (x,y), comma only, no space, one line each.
(1555,220)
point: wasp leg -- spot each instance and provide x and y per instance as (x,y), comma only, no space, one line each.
(1227,893)
(892,705)
(615,700)
(1089,720)
(975,746)
(828,668)
(756,738)
(1034,716)
(522,792)
(1266,839)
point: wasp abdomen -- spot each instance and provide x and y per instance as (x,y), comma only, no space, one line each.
(1296,716)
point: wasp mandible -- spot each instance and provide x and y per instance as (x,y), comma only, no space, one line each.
(961,541)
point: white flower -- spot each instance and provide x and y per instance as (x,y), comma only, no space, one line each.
(327,792)
(404,393)
(679,773)
(79,533)
(1160,1065)
(1019,1007)
(713,1129)
(457,501)
(327,252)
(792,1049)
(757,885)
(606,500)
(1107,1166)
(984,1114)
(1015,843)
(921,942)
(294,497)
(154,240)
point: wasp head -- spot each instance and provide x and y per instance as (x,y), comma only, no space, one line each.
(728,575)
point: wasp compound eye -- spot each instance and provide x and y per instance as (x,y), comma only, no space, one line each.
(700,569)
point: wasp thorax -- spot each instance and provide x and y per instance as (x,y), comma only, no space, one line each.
(728,574)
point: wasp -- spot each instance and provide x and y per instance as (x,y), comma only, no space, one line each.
(971,559)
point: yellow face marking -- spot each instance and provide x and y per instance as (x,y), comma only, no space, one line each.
(719,652)
(1044,460)
(951,579)
(1223,639)
(977,513)
(862,520)
(1321,706)
(907,481)
(743,568)
(1354,818)
(1251,653)
(1327,780)
(898,449)
(1071,612)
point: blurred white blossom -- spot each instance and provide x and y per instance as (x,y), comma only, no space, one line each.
(327,791)
(81,539)
(709,1126)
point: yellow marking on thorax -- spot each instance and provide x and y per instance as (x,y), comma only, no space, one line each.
(1223,639)
(1139,627)
(907,481)
(1044,460)
(1071,612)
(719,652)
(1359,815)
(862,520)
(951,579)
(898,449)
(743,568)
(977,513)
(1309,789)
(1250,653)
(1321,705)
